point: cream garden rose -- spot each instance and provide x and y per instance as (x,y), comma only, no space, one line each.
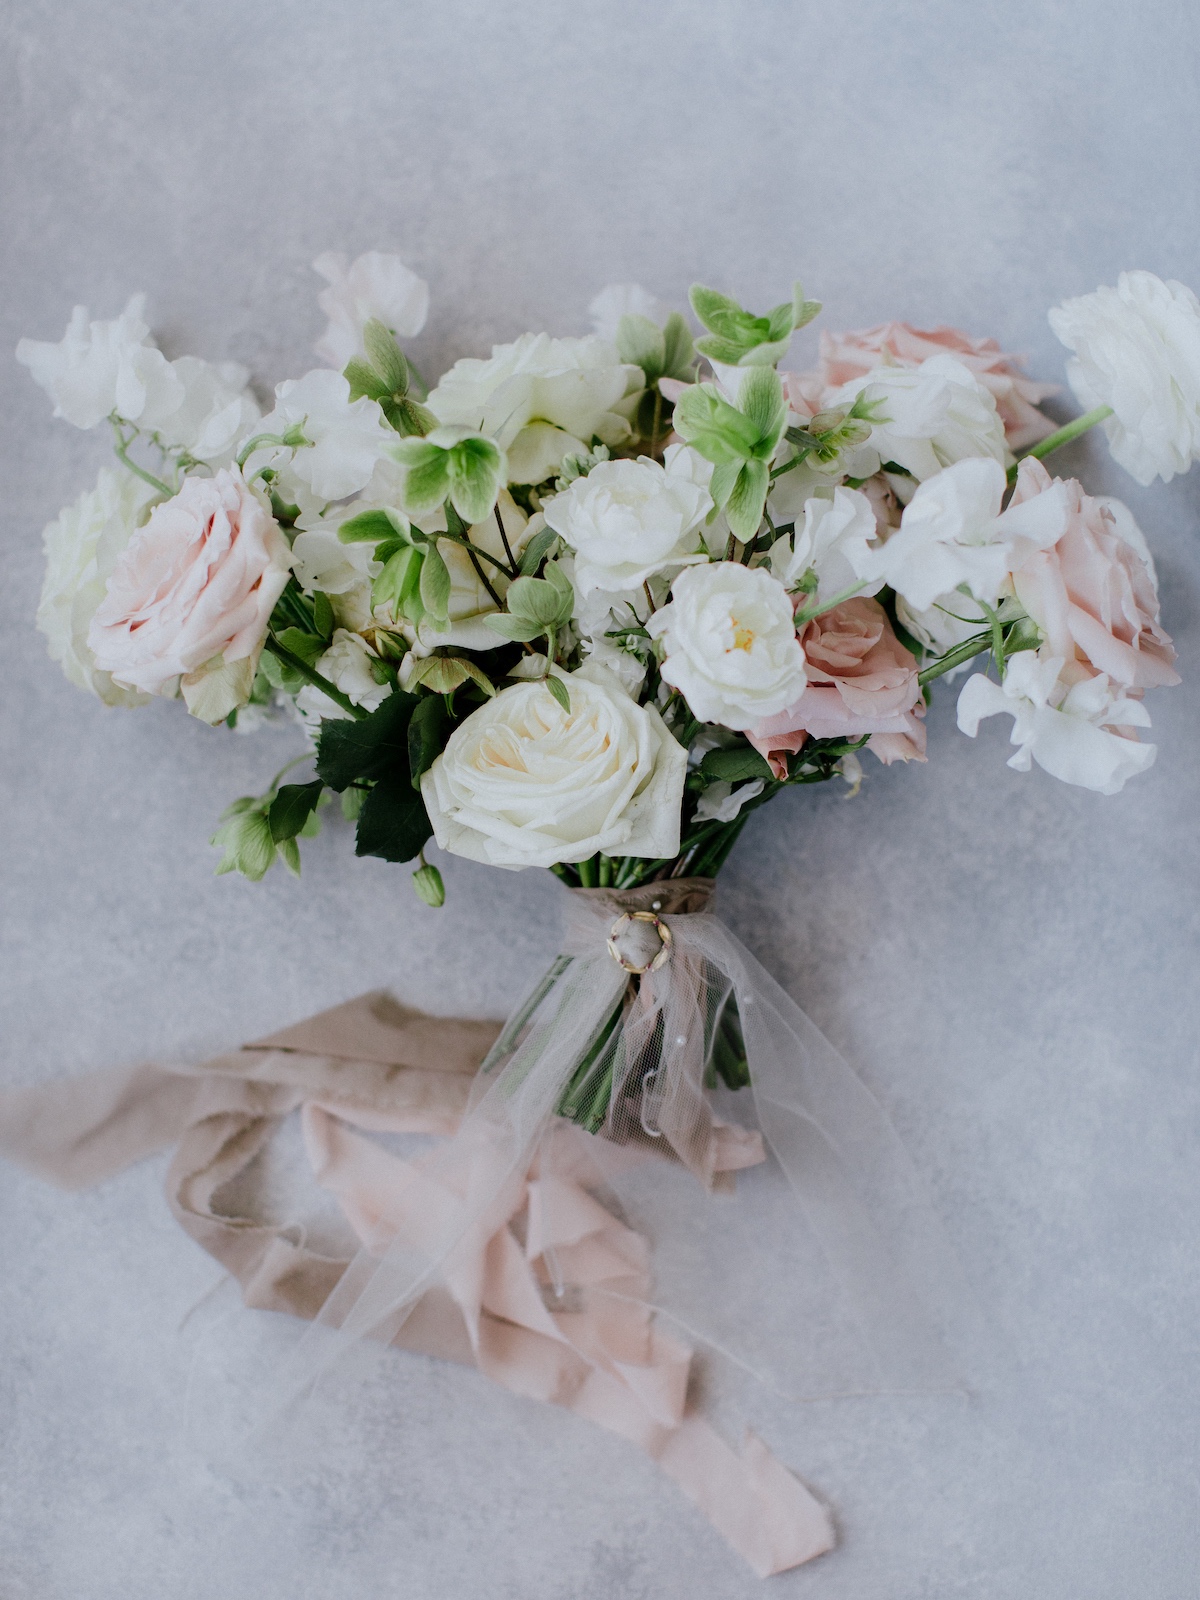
(628,520)
(523,783)
(193,591)
(729,642)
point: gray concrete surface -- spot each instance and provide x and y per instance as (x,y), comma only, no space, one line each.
(1010,963)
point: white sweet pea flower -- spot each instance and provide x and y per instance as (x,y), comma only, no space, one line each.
(347,665)
(97,368)
(937,414)
(523,783)
(343,572)
(624,300)
(215,413)
(721,802)
(729,638)
(1137,349)
(375,285)
(833,540)
(627,520)
(540,399)
(596,615)
(348,437)
(83,545)
(953,532)
(1064,718)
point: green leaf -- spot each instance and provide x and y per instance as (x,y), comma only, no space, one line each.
(386,357)
(803,311)
(369,527)
(306,646)
(538,546)
(732,766)
(408,417)
(546,601)
(247,844)
(721,484)
(514,628)
(292,807)
(398,583)
(367,747)
(642,343)
(727,351)
(559,690)
(717,430)
(435,584)
(779,323)
(678,350)
(712,307)
(393,823)
(744,508)
(426,735)
(476,468)
(427,481)
(323,619)
(761,401)
(289,852)
(427,881)
(352,803)
(364,380)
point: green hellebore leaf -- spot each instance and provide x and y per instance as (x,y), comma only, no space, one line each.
(559,690)
(678,349)
(444,674)
(427,481)
(761,401)
(513,628)
(722,481)
(538,546)
(476,468)
(713,308)
(292,807)
(744,508)
(289,852)
(547,601)
(397,585)
(366,747)
(803,311)
(369,527)
(364,380)
(386,357)
(427,881)
(435,584)
(247,844)
(643,344)
(393,822)
(718,430)
(408,417)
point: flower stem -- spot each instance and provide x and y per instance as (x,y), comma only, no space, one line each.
(121,451)
(314,677)
(828,605)
(964,652)
(1063,435)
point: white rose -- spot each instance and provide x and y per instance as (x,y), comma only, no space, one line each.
(628,520)
(1137,349)
(375,285)
(1064,718)
(624,300)
(83,545)
(97,368)
(729,636)
(937,413)
(348,437)
(833,541)
(215,413)
(347,665)
(953,532)
(540,398)
(523,783)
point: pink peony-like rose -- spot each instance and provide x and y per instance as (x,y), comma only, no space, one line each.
(845,356)
(860,680)
(1093,595)
(200,580)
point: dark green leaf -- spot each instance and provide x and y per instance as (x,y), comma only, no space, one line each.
(393,822)
(305,646)
(732,766)
(292,807)
(366,748)
(323,615)
(426,735)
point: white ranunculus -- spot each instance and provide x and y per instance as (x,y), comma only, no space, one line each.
(523,783)
(97,368)
(83,545)
(937,413)
(624,300)
(627,520)
(347,665)
(1137,349)
(540,399)
(953,532)
(375,285)
(834,541)
(215,413)
(1064,718)
(348,438)
(729,638)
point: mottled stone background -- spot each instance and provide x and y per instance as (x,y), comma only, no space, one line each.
(1010,963)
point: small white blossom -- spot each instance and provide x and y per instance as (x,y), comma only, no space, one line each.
(936,414)
(347,665)
(1064,718)
(721,802)
(1137,349)
(834,541)
(624,300)
(97,368)
(376,285)
(215,413)
(347,438)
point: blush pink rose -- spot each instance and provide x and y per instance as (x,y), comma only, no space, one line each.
(860,680)
(199,580)
(849,355)
(1093,594)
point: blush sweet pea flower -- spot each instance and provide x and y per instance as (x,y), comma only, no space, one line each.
(374,285)
(861,680)
(1137,349)
(194,587)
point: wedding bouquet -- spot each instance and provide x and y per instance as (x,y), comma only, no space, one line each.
(585,605)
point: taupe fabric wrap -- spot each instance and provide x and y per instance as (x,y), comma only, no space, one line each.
(369,1057)
(669,897)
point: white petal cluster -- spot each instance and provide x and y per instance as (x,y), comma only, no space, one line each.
(347,665)
(729,641)
(936,414)
(347,438)
(216,413)
(628,520)
(375,285)
(540,399)
(1137,349)
(1066,719)
(523,783)
(97,368)
(619,300)
(834,539)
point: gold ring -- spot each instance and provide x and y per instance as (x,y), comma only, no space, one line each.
(619,926)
